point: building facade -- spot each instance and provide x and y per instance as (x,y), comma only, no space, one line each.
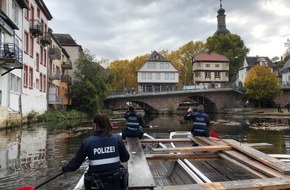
(11,56)
(286,74)
(210,70)
(157,75)
(251,61)
(35,61)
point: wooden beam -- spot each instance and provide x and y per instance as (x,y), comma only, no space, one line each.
(252,184)
(174,157)
(137,164)
(150,141)
(194,149)
(260,156)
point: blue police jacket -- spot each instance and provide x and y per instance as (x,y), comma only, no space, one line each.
(104,153)
(200,119)
(134,120)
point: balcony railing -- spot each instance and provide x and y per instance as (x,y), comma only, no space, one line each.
(54,53)
(45,39)
(67,64)
(35,27)
(10,55)
(55,75)
(66,78)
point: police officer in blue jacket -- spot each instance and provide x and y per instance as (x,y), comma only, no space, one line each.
(104,151)
(200,121)
(135,124)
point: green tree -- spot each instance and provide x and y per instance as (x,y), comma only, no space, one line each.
(261,84)
(90,85)
(232,46)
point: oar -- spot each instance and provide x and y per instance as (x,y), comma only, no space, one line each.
(214,134)
(43,183)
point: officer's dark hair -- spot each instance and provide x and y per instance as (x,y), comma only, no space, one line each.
(103,124)
(131,108)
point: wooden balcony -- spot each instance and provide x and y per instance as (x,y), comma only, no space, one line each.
(35,27)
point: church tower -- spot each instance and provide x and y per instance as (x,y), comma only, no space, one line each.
(221,21)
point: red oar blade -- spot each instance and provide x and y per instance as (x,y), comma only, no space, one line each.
(214,134)
(26,188)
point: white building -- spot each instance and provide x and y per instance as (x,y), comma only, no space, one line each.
(286,74)
(34,80)
(249,62)
(157,75)
(11,59)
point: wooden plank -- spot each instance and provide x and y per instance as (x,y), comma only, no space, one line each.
(194,149)
(150,141)
(259,145)
(252,184)
(137,164)
(174,157)
(260,156)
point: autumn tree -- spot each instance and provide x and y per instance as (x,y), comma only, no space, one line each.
(261,84)
(232,46)
(90,85)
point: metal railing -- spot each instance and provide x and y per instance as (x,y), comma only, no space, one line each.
(11,51)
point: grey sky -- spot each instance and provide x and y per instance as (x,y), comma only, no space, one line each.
(124,29)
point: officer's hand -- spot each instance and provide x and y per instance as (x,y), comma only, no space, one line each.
(189,110)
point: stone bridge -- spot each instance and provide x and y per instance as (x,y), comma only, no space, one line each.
(214,100)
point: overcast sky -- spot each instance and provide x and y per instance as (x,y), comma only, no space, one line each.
(124,29)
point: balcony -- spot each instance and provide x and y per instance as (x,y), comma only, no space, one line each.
(66,78)
(53,96)
(10,57)
(66,64)
(35,27)
(46,39)
(54,53)
(54,75)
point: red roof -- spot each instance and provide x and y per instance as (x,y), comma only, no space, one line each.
(210,56)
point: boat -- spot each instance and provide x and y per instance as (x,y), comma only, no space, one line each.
(186,162)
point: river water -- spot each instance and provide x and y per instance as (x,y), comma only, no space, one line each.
(33,154)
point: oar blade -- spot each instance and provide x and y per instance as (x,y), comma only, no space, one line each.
(26,188)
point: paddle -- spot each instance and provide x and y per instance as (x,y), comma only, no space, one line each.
(214,134)
(43,183)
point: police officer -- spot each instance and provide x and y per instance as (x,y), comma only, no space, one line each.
(105,151)
(135,124)
(200,121)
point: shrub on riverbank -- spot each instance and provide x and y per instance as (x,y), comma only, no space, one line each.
(61,116)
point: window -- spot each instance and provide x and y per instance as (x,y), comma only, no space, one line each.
(143,76)
(161,65)
(25,76)
(157,76)
(166,65)
(153,65)
(37,84)
(38,13)
(30,77)
(44,57)
(217,74)
(15,10)
(166,76)
(207,75)
(149,76)
(27,11)
(148,65)
(198,64)
(26,39)
(40,82)
(31,46)
(217,65)
(15,83)
(172,76)
(207,65)
(41,55)
(197,74)
(44,83)
(37,61)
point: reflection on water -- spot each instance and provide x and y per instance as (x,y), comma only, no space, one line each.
(31,155)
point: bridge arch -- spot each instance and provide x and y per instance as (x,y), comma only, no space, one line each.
(146,107)
(193,101)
